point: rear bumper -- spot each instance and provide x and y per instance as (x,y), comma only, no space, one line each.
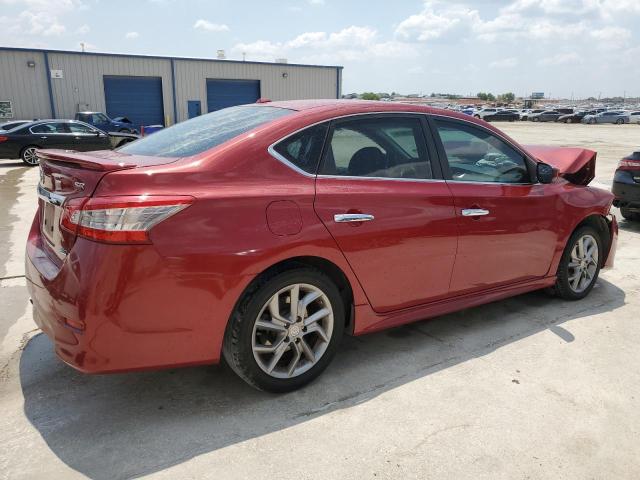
(626,189)
(113,308)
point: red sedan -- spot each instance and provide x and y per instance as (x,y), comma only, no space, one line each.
(263,233)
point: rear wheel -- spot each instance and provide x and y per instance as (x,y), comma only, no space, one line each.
(619,121)
(568,120)
(629,215)
(580,264)
(28,155)
(285,330)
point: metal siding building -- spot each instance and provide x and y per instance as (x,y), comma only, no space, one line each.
(36,93)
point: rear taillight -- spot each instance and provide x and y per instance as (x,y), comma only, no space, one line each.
(125,219)
(629,163)
(3,138)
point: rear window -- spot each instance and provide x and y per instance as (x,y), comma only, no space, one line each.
(203,133)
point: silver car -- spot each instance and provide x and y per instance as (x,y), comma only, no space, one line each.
(611,116)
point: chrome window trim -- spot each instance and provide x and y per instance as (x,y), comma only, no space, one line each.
(277,156)
(351,177)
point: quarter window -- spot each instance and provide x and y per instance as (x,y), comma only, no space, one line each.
(475,155)
(303,149)
(387,147)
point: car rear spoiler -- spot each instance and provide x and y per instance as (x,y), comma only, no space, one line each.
(576,165)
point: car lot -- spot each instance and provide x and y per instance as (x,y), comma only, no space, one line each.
(523,388)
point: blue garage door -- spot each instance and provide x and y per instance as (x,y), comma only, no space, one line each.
(228,93)
(137,98)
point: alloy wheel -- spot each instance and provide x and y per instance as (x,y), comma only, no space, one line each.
(29,156)
(583,265)
(292,331)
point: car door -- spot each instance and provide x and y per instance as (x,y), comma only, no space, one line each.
(85,138)
(50,135)
(505,220)
(381,195)
(101,121)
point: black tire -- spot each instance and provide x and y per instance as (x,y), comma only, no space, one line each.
(535,119)
(568,120)
(619,121)
(237,346)
(562,288)
(26,155)
(629,215)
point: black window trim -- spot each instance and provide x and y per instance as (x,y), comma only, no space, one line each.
(436,168)
(444,163)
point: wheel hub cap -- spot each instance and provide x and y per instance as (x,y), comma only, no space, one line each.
(583,264)
(292,331)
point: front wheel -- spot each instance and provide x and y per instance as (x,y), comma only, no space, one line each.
(619,121)
(580,264)
(285,330)
(29,156)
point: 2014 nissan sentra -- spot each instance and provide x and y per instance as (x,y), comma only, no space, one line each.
(264,233)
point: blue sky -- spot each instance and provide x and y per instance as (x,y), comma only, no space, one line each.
(562,47)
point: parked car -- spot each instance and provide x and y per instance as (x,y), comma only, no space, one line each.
(544,116)
(12,124)
(525,116)
(575,117)
(271,265)
(564,111)
(23,142)
(106,124)
(483,112)
(626,186)
(502,116)
(616,117)
(634,117)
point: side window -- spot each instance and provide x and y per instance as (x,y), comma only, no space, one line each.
(79,128)
(475,155)
(49,128)
(303,149)
(387,147)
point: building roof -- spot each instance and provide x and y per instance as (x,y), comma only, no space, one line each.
(163,57)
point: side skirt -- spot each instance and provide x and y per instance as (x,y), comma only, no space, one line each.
(367,321)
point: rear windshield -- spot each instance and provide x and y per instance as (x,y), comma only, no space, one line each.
(202,133)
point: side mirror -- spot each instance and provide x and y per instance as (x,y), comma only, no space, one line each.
(546,173)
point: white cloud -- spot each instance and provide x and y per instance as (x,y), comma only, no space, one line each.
(208,26)
(315,2)
(561,59)
(433,22)
(83,29)
(37,18)
(354,43)
(504,63)
(131,35)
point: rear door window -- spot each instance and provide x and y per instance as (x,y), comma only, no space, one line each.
(383,147)
(204,132)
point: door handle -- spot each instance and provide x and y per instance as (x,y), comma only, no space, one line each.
(352,217)
(474,212)
(43,138)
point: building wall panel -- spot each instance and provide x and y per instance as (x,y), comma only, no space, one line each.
(26,87)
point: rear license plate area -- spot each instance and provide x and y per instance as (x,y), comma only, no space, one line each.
(48,220)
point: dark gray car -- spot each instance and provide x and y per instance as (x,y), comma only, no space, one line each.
(546,116)
(23,141)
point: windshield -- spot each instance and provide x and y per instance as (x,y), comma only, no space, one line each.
(205,132)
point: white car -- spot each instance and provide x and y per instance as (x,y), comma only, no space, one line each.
(484,112)
(634,117)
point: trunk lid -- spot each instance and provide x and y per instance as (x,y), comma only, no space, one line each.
(68,175)
(577,165)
